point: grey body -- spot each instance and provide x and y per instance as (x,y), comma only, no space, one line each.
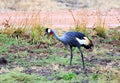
(73,39)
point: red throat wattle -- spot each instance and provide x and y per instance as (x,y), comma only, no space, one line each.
(51,33)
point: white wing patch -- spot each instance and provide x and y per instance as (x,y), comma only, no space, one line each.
(81,41)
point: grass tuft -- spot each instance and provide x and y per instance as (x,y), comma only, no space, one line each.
(101,31)
(81,28)
(36,34)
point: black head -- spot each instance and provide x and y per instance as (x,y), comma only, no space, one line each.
(48,31)
(89,44)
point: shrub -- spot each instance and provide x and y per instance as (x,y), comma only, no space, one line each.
(37,33)
(81,23)
(101,31)
(81,28)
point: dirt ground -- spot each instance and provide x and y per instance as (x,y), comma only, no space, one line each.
(49,69)
(36,5)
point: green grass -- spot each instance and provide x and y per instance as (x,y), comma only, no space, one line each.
(6,42)
(17,77)
(101,31)
(65,77)
(57,58)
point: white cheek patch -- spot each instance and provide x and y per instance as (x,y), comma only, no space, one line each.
(49,30)
(81,41)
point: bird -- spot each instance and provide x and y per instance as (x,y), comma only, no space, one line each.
(72,39)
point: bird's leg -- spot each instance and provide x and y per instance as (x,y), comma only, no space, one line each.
(71,56)
(82,58)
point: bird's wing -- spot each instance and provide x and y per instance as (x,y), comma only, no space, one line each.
(69,38)
(75,34)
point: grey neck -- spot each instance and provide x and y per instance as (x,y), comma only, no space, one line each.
(56,35)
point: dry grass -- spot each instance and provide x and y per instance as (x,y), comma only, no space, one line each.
(37,33)
(100,31)
(81,23)
(100,27)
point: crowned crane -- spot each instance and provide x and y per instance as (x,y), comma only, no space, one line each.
(73,39)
